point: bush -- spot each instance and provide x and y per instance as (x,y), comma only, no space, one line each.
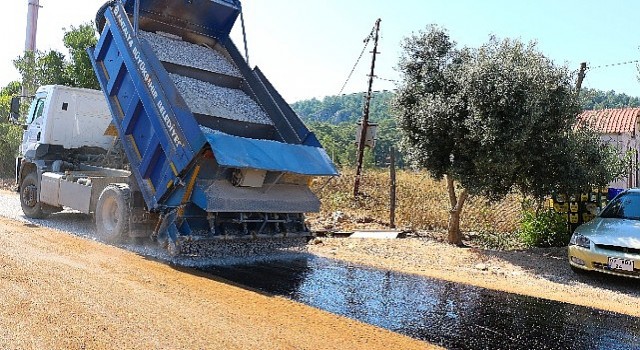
(10,139)
(543,228)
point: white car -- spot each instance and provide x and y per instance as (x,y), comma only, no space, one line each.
(610,243)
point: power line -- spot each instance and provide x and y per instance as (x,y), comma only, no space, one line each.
(614,64)
(384,79)
(367,40)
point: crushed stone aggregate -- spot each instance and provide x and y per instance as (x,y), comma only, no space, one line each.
(209,99)
(174,50)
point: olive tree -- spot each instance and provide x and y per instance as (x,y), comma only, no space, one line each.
(493,120)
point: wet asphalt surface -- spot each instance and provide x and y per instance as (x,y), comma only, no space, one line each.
(451,315)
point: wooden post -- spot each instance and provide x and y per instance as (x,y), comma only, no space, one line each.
(392,189)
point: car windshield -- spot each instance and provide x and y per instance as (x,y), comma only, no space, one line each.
(625,206)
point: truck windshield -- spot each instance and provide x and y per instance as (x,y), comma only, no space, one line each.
(36,109)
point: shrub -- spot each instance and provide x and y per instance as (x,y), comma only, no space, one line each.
(543,228)
(10,138)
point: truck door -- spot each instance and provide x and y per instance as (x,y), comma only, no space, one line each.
(34,122)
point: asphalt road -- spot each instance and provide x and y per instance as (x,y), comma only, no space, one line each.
(451,315)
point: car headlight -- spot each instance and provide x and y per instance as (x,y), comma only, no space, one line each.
(580,241)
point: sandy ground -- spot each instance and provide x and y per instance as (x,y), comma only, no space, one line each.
(542,273)
(60,291)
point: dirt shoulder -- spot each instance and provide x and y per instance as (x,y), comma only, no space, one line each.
(542,273)
(61,291)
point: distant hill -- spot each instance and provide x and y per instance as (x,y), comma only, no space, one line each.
(344,108)
(333,119)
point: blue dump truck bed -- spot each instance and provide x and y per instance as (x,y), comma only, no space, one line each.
(212,145)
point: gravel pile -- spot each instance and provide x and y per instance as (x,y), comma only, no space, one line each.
(174,50)
(208,99)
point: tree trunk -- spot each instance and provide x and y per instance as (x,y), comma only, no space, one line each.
(456,205)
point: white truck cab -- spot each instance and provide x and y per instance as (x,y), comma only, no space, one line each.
(66,117)
(66,151)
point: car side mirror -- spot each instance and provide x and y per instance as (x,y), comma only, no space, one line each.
(14,110)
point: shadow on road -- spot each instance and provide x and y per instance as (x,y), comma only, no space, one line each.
(552,264)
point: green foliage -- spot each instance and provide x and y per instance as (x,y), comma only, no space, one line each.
(338,141)
(543,228)
(14,88)
(42,68)
(591,99)
(79,69)
(344,108)
(592,164)
(52,67)
(10,135)
(10,138)
(334,119)
(498,118)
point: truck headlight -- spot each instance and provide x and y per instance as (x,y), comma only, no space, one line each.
(580,241)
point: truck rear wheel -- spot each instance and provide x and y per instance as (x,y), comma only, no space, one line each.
(31,206)
(112,213)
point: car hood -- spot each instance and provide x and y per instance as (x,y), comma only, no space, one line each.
(616,232)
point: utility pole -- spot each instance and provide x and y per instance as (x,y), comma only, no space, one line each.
(32,25)
(365,116)
(581,75)
(32,30)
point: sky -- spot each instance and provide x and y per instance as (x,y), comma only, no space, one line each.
(307,47)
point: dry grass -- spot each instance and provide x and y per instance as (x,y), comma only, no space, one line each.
(422,203)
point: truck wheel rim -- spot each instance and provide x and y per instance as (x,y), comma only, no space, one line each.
(110,214)
(29,195)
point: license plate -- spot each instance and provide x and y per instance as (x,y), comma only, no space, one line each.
(620,264)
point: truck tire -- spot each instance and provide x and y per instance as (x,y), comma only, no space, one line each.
(112,213)
(101,21)
(31,206)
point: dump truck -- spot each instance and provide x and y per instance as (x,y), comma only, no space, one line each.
(184,143)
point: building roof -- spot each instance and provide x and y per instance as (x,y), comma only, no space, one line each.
(612,121)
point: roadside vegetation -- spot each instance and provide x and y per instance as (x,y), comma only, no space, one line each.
(421,205)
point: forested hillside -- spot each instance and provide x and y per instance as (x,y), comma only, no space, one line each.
(334,119)
(598,99)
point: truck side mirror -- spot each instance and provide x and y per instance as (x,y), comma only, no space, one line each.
(14,110)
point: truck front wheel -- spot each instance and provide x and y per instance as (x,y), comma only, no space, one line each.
(112,213)
(31,206)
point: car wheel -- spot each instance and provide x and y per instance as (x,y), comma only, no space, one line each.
(29,200)
(112,213)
